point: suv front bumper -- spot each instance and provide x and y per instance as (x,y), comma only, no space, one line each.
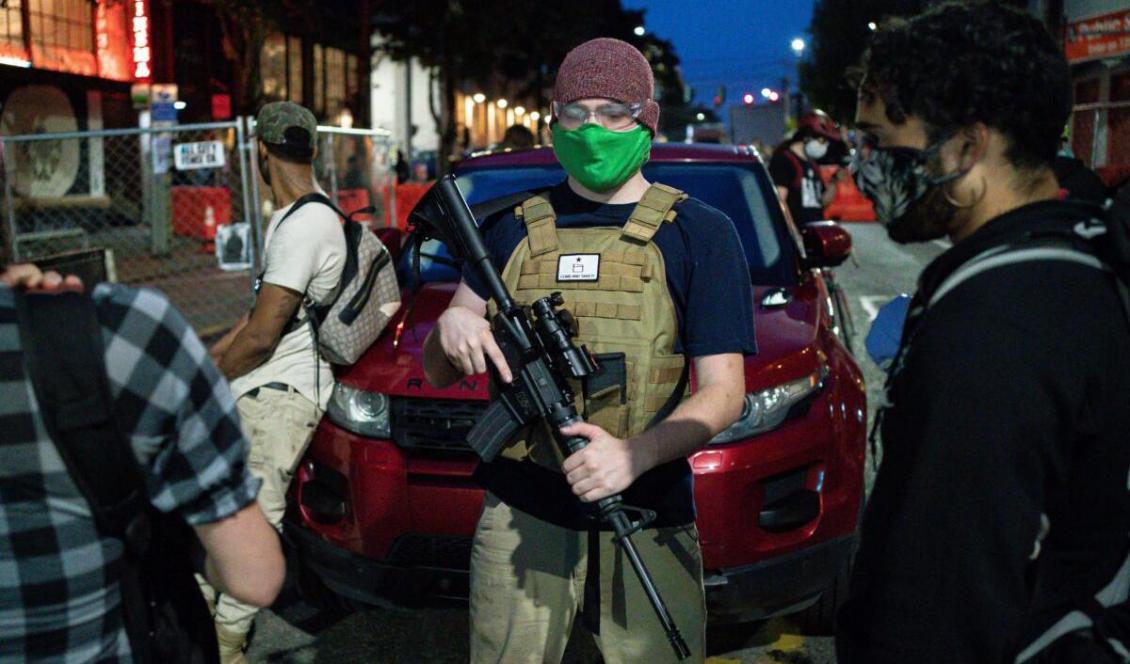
(778,586)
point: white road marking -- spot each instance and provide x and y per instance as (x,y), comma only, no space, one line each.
(871,304)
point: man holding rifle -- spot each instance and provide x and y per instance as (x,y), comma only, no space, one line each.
(653,277)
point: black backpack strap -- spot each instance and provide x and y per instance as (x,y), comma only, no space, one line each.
(312,197)
(63,353)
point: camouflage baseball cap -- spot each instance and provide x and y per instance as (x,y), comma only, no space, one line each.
(278,116)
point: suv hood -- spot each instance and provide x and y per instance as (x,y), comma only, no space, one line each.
(786,345)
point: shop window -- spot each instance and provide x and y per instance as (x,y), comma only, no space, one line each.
(62,35)
(12,30)
(272,67)
(280,68)
(294,69)
(335,81)
(62,23)
(352,81)
(319,80)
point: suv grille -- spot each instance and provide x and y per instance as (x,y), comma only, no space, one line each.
(434,424)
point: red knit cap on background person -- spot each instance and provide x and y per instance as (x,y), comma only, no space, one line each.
(611,69)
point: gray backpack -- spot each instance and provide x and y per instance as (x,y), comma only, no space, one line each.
(353,318)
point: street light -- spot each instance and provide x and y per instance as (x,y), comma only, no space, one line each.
(872,26)
(639,31)
(700,117)
(748,98)
(502,103)
(535,116)
(798,46)
(766,92)
(520,110)
(479,97)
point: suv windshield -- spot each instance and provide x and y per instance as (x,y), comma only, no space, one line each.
(735,189)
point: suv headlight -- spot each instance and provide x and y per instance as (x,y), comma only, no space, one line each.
(766,410)
(360,411)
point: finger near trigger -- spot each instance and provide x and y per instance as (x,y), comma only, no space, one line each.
(498,359)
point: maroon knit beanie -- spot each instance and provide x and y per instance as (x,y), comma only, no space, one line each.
(612,69)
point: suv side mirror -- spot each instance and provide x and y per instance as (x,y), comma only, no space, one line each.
(826,244)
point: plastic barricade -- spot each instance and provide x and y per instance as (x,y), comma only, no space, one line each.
(351,200)
(849,204)
(198,210)
(407,196)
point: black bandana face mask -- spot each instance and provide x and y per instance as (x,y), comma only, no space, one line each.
(896,181)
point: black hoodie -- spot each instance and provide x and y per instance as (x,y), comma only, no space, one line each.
(1010,414)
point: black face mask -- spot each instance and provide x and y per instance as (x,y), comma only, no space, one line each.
(908,200)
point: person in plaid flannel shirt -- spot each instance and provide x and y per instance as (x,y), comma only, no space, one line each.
(59,599)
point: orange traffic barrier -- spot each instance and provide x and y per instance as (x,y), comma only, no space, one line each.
(198,210)
(849,204)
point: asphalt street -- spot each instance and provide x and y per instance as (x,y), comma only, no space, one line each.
(295,632)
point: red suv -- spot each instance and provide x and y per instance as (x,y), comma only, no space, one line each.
(383,505)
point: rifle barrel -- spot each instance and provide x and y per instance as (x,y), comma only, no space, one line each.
(474,252)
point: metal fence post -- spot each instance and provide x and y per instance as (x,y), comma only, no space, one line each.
(243,146)
(259,233)
(331,160)
(13,227)
(160,211)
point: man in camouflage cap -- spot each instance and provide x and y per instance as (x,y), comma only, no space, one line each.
(281,384)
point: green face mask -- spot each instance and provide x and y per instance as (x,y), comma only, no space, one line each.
(601,159)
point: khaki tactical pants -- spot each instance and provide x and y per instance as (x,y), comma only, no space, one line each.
(279,424)
(528,581)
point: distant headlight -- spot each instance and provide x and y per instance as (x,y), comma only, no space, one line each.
(766,410)
(359,411)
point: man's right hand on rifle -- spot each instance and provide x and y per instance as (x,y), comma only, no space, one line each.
(464,341)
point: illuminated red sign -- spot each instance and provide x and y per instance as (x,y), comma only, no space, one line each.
(1098,37)
(142,51)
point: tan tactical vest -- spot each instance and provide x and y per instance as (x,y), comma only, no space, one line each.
(621,304)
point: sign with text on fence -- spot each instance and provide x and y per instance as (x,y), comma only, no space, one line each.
(1105,36)
(205,154)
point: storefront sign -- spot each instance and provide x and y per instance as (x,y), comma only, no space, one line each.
(221,107)
(142,50)
(1105,36)
(162,104)
(205,154)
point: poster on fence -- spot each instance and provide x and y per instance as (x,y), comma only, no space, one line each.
(233,246)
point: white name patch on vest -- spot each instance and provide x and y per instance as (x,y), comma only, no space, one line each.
(578,267)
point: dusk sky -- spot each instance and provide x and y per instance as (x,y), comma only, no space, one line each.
(742,44)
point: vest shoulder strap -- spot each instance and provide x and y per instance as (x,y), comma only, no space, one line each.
(655,208)
(541,224)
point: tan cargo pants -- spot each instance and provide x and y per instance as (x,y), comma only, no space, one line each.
(527,587)
(279,425)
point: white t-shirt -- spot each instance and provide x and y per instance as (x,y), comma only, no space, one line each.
(306,255)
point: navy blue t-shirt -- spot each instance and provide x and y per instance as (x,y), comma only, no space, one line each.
(708,279)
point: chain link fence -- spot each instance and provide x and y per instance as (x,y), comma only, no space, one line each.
(179,209)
